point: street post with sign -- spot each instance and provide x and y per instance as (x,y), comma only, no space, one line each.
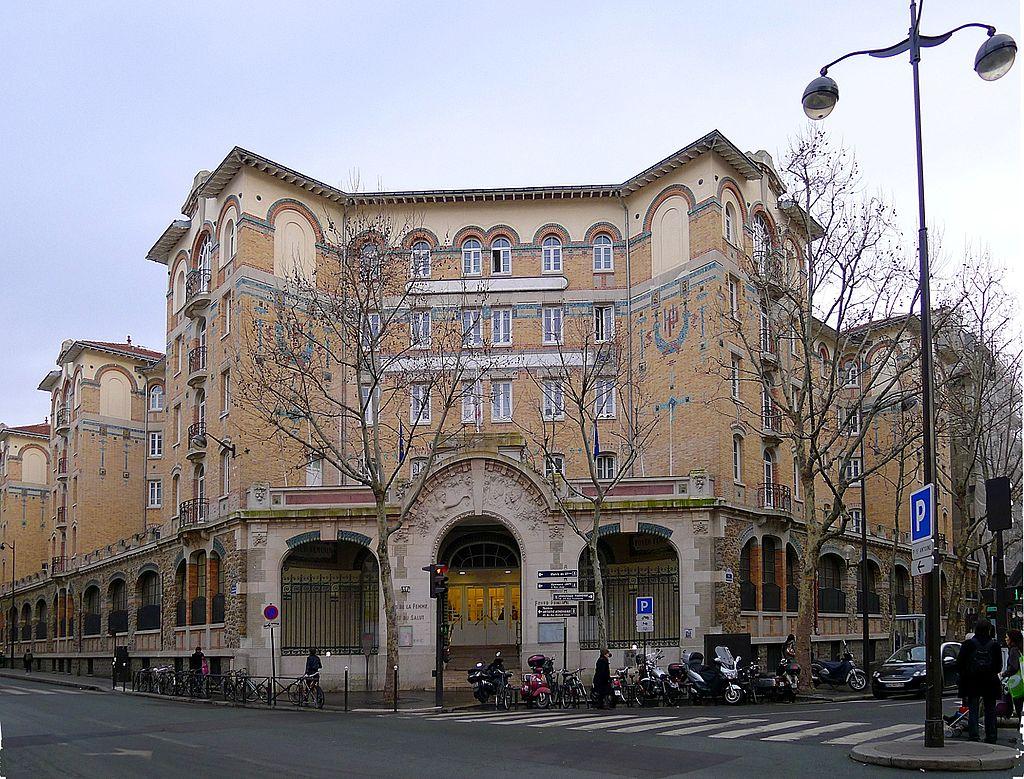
(272,615)
(922,529)
(644,618)
(559,579)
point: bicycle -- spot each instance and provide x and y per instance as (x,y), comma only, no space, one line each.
(306,691)
(243,688)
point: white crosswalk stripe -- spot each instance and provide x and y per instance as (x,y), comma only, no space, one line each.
(658,725)
(12,691)
(711,726)
(603,723)
(860,738)
(569,720)
(32,691)
(808,733)
(785,725)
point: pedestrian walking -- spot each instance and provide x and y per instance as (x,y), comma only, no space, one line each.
(27,660)
(603,680)
(195,662)
(979,663)
(1012,674)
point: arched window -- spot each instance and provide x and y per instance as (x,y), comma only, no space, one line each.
(501,256)
(603,257)
(203,265)
(199,601)
(901,599)
(851,373)
(831,572)
(181,590)
(737,458)
(225,472)
(771,593)
(748,589)
(148,617)
(762,241)
(730,223)
(41,619)
(156,398)
(91,606)
(421,259)
(472,260)
(551,253)
(831,597)
(792,579)
(178,288)
(769,467)
(228,240)
(175,493)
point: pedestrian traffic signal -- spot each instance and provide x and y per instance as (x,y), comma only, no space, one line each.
(438,579)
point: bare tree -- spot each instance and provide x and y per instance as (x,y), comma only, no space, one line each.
(360,365)
(833,290)
(589,402)
(980,400)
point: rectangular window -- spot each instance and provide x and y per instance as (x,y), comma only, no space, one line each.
(501,326)
(177,424)
(225,392)
(766,335)
(315,473)
(849,420)
(553,325)
(225,473)
(226,303)
(420,329)
(371,331)
(156,443)
(501,401)
(734,377)
(177,355)
(471,259)
(472,328)
(418,466)
(604,405)
(605,466)
(604,323)
(856,520)
(369,416)
(501,260)
(156,494)
(472,402)
(737,459)
(554,400)
(419,405)
(734,297)
(554,464)
(852,470)
(421,260)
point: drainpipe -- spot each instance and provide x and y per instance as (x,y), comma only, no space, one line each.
(629,330)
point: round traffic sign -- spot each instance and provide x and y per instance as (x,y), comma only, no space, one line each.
(270,612)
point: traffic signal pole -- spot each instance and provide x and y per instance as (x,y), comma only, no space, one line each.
(439,655)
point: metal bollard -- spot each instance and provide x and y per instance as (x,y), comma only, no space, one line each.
(346,688)
(396,689)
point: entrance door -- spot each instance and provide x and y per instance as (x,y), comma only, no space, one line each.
(484,614)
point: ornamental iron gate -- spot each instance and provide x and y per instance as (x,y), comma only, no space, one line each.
(621,588)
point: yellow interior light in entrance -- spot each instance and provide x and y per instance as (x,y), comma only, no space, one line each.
(508,571)
(462,573)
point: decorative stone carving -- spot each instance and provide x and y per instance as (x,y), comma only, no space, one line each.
(259,538)
(701,527)
(259,496)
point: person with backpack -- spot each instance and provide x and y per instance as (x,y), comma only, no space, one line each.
(979,663)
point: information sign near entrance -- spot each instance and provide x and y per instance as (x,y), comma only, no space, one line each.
(559,573)
(556,611)
(557,585)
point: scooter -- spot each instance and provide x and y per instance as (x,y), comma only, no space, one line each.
(707,683)
(536,688)
(838,672)
(488,679)
(621,686)
(787,678)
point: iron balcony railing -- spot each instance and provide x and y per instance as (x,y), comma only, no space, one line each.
(771,597)
(771,421)
(197,359)
(775,496)
(748,596)
(192,512)
(62,466)
(197,283)
(831,601)
(58,564)
(63,417)
(62,516)
(197,435)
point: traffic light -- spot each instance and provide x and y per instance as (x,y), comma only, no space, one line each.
(438,579)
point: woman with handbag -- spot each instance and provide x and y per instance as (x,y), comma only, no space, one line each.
(1012,674)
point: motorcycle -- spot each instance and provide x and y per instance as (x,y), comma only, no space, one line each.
(653,683)
(838,672)
(536,687)
(491,679)
(787,678)
(761,685)
(621,687)
(708,682)
(571,691)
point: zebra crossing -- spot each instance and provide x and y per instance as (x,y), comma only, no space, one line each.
(10,689)
(761,728)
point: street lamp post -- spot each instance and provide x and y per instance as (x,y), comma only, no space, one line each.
(10,628)
(993,60)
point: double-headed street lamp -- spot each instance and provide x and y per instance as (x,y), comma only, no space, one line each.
(993,60)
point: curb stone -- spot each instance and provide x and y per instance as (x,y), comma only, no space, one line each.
(957,756)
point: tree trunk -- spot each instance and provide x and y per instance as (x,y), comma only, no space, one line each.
(808,596)
(388,588)
(599,607)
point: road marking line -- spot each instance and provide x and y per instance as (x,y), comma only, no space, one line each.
(813,731)
(911,737)
(31,691)
(12,691)
(786,725)
(564,721)
(860,738)
(611,722)
(657,725)
(510,716)
(710,726)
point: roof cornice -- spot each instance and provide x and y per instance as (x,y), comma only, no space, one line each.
(161,250)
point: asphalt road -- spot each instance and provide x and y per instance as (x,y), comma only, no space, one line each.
(50,731)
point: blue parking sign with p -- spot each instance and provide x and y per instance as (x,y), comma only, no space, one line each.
(645,605)
(922,512)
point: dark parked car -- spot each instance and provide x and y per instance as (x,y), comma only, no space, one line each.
(904,672)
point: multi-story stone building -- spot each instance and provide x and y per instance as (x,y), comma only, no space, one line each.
(707,522)
(24,498)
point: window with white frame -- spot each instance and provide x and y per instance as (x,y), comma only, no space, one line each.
(179,352)
(734,297)
(501,326)
(851,373)
(229,241)
(156,443)
(419,406)
(225,392)
(371,260)
(552,320)
(371,331)
(856,520)
(794,340)
(737,458)
(605,464)
(226,309)
(766,334)
(604,402)
(603,257)
(177,424)
(156,494)
(315,472)
(471,257)
(849,420)
(730,223)
(364,401)
(472,402)
(421,329)
(501,401)
(421,260)
(604,323)
(156,398)
(734,377)
(417,466)
(554,464)
(225,473)
(852,470)
(553,399)
(551,252)
(501,256)
(796,479)
(472,328)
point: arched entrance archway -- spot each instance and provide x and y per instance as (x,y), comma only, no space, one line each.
(632,565)
(485,584)
(329,598)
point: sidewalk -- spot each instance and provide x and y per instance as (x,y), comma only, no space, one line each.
(956,755)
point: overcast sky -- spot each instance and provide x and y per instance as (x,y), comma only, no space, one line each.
(107,110)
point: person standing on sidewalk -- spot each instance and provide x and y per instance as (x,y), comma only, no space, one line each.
(979,663)
(1015,644)
(603,680)
(27,660)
